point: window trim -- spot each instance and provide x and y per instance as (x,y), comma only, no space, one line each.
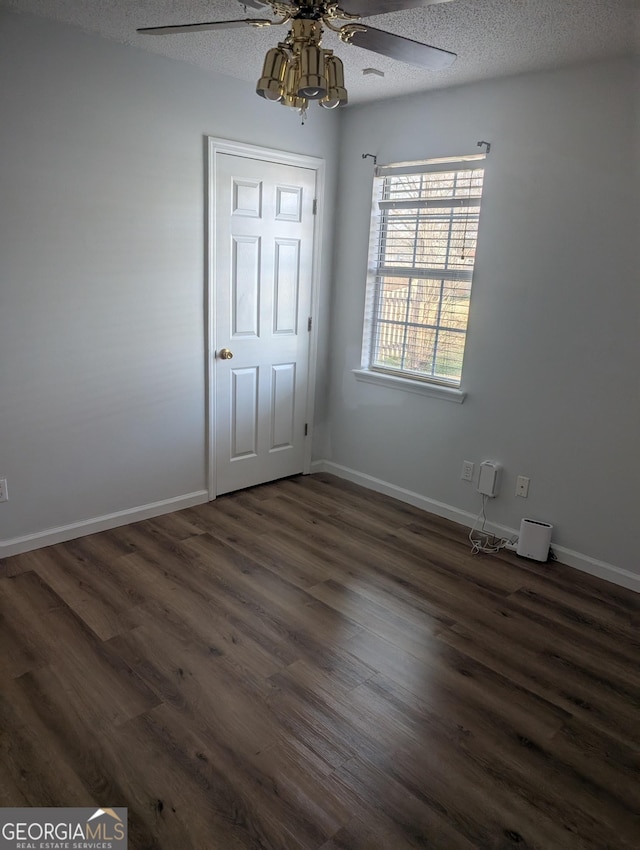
(417,385)
(422,384)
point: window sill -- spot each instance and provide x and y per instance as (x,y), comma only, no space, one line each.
(394,382)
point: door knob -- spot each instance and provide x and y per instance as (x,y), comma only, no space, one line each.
(225,354)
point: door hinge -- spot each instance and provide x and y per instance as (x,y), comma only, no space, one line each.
(309,323)
(315,206)
(306,429)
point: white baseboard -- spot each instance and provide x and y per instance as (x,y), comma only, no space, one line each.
(90,526)
(601,569)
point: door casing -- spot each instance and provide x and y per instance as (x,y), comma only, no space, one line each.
(216,146)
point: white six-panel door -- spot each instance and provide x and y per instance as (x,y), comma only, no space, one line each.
(262,263)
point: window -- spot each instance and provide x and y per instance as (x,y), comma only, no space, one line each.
(422,252)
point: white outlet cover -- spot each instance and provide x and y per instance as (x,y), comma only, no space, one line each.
(468,469)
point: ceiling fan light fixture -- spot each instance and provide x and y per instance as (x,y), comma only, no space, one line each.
(312,84)
(290,87)
(336,92)
(299,69)
(270,84)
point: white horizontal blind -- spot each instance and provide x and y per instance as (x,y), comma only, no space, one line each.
(423,245)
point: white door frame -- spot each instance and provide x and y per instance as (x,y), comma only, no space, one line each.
(215,147)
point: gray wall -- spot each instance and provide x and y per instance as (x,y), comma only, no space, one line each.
(102,405)
(551,368)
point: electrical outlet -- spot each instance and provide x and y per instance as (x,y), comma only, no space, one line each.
(467,470)
(4,493)
(522,486)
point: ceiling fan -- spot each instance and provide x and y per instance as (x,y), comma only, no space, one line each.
(299,69)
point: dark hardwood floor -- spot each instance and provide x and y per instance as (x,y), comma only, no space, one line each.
(311,665)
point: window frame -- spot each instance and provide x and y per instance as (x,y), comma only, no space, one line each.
(408,380)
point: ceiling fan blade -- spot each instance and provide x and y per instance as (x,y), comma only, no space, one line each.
(255,4)
(365,8)
(205,27)
(404,49)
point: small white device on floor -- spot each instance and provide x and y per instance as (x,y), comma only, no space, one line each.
(534,540)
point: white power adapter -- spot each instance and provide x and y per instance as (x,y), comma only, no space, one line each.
(488,481)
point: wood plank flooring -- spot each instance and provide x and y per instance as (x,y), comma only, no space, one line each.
(308,665)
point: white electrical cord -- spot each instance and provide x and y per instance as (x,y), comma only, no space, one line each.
(485,541)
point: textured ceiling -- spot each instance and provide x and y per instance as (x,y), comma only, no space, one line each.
(491,37)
